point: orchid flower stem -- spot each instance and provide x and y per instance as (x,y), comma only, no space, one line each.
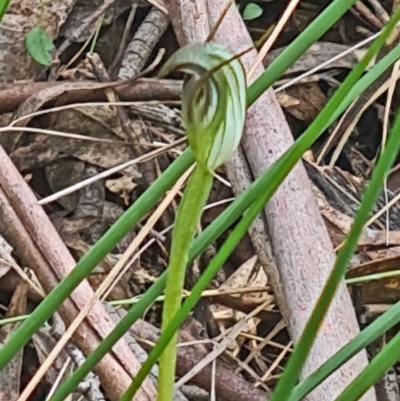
(186,223)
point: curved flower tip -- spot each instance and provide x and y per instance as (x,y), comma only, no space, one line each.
(213,100)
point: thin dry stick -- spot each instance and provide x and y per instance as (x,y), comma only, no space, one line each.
(260,339)
(278,328)
(382,89)
(327,62)
(107,173)
(221,202)
(123,43)
(159,4)
(271,40)
(204,294)
(77,55)
(102,288)
(383,210)
(216,176)
(380,12)
(59,378)
(275,364)
(392,84)
(247,368)
(222,346)
(84,105)
(213,374)
(4,130)
(38,289)
(375,217)
(218,23)
(333,135)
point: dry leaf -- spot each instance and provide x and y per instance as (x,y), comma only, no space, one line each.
(310,101)
(121,186)
(5,257)
(317,54)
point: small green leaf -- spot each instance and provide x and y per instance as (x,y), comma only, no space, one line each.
(252,11)
(39,46)
(3,7)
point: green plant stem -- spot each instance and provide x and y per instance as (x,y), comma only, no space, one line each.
(212,269)
(186,222)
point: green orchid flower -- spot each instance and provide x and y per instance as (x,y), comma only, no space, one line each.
(213,101)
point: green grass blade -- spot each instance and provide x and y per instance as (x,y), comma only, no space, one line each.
(3,7)
(121,328)
(366,337)
(389,355)
(105,245)
(391,352)
(297,359)
(314,31)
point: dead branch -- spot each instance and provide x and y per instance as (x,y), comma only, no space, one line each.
(12,95)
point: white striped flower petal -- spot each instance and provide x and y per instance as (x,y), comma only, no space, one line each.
(213,100)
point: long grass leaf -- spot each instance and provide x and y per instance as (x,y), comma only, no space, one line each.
(374,371)
(379,326)
(297,359)
(332,13)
